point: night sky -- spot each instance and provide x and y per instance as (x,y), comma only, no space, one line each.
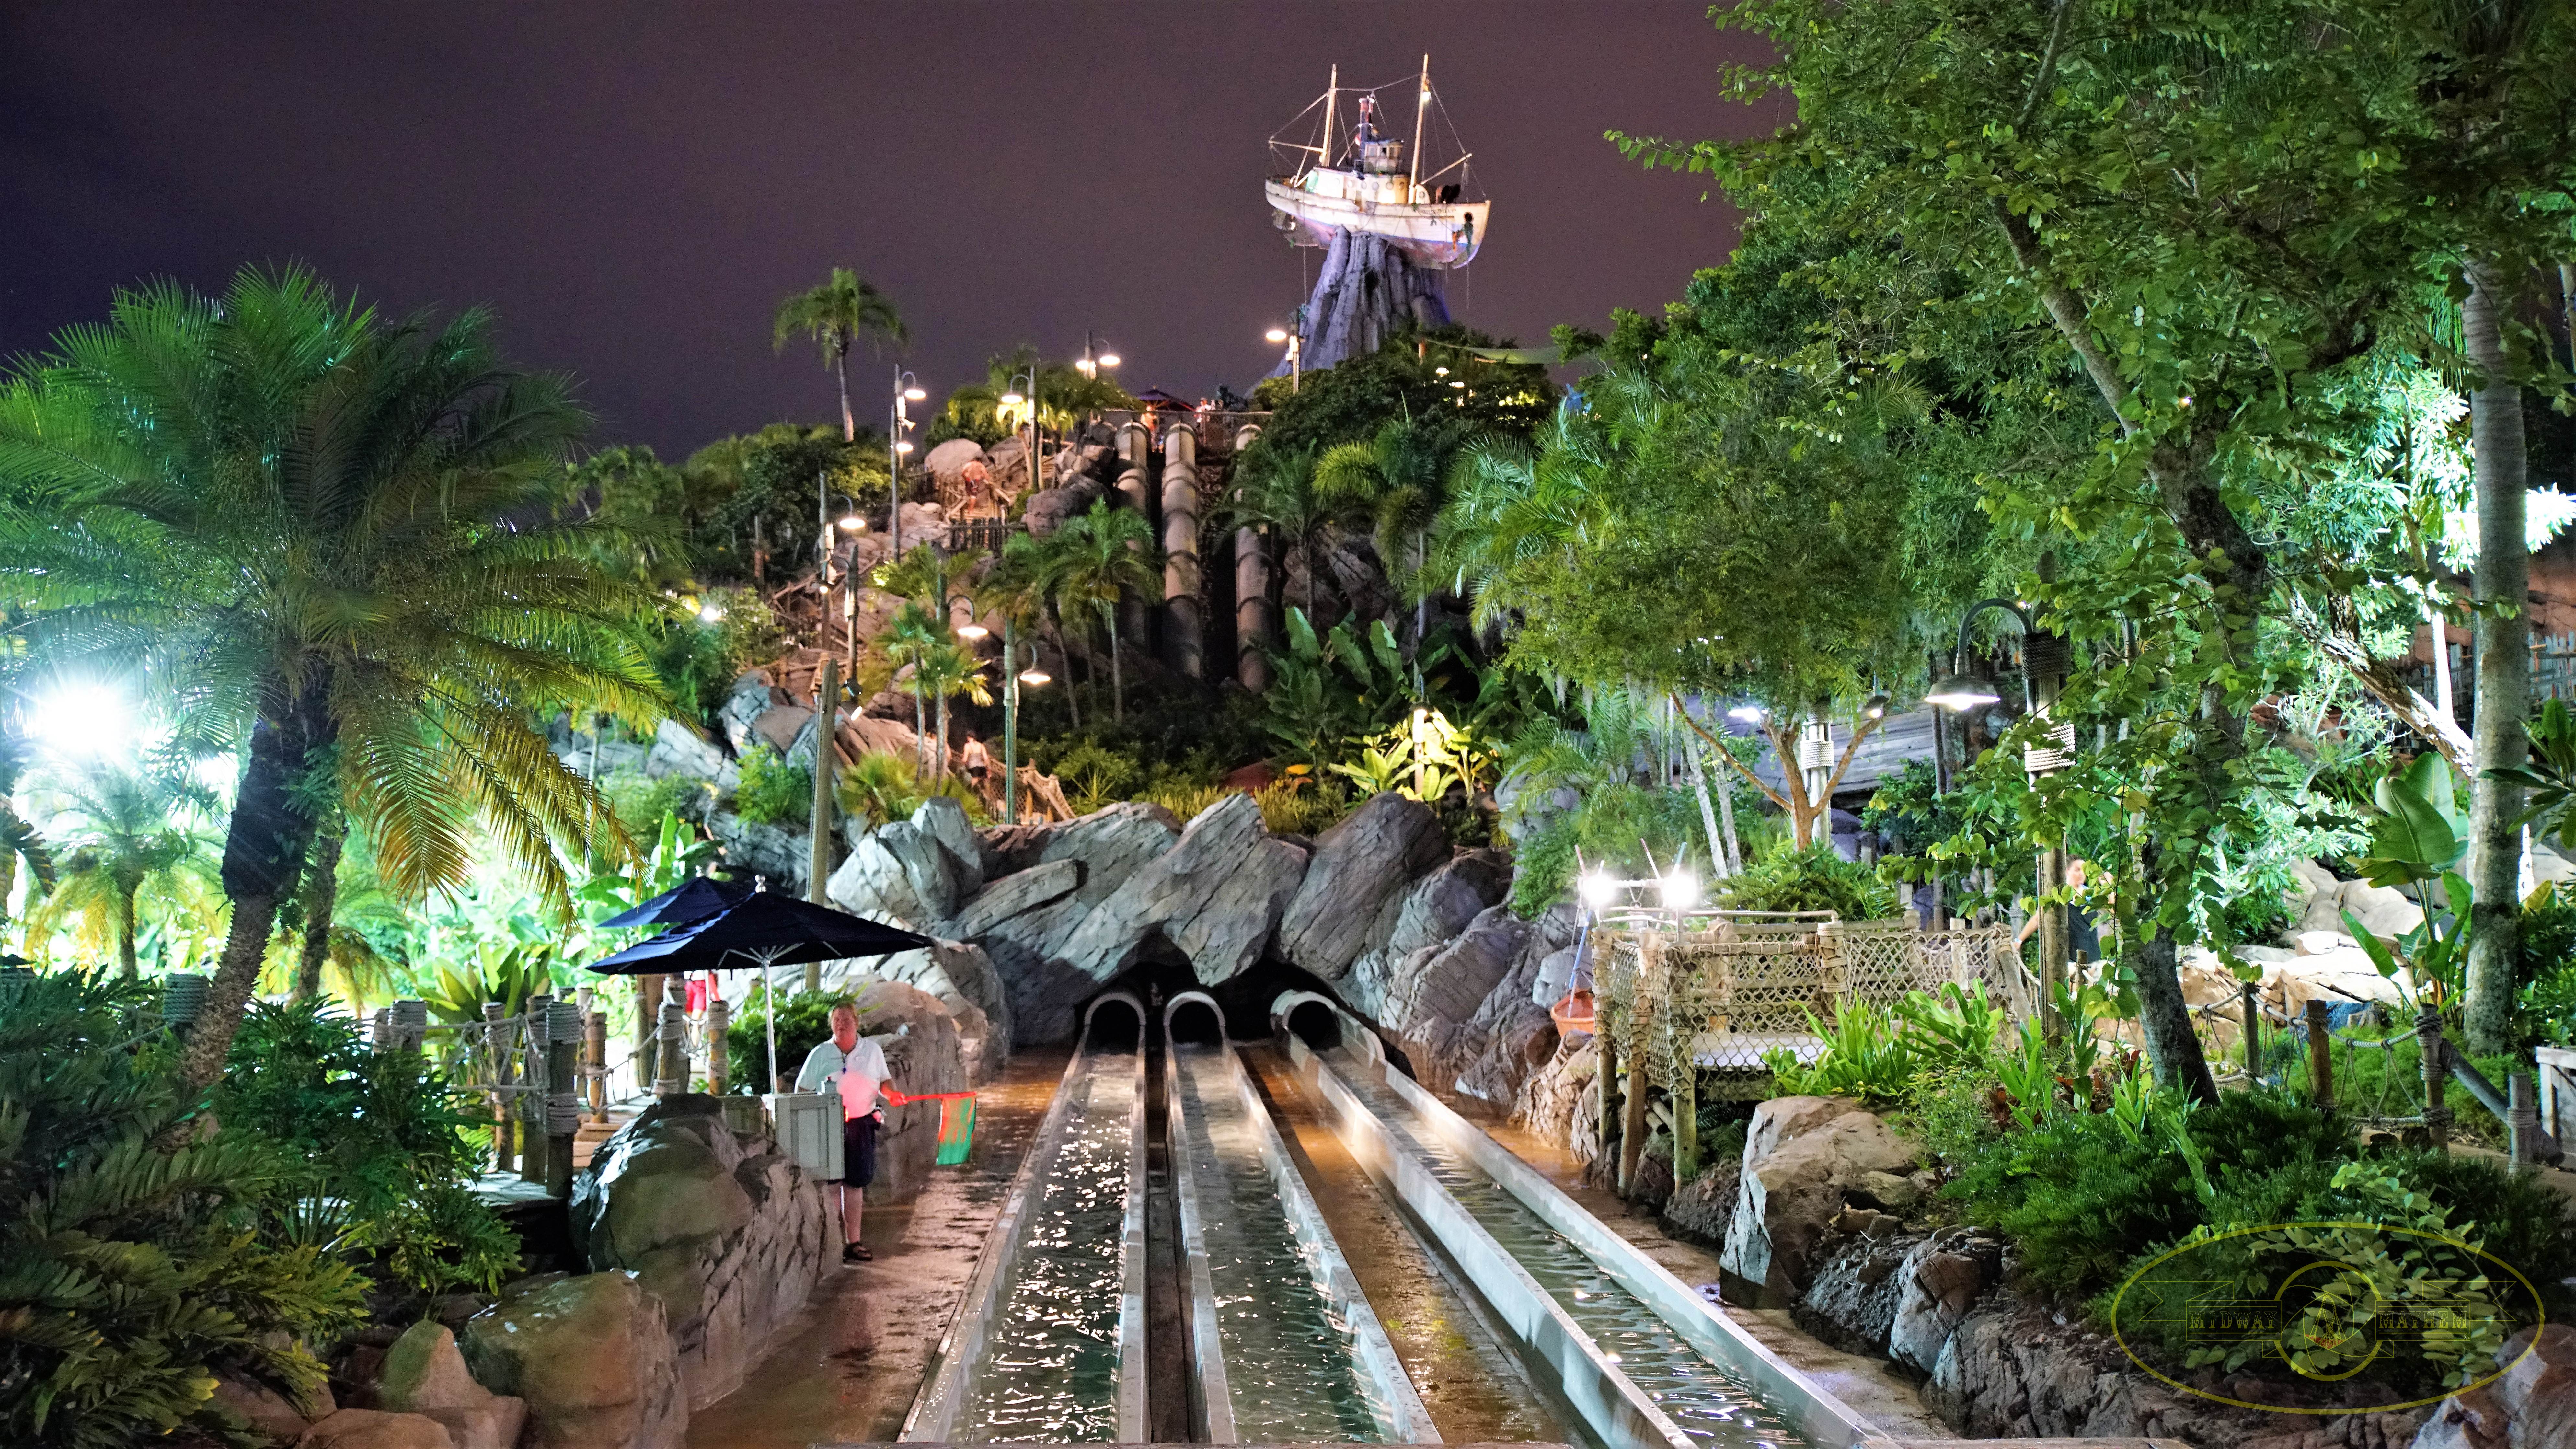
(633,187)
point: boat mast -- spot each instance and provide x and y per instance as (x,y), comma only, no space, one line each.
(1413,158)
(1332,88)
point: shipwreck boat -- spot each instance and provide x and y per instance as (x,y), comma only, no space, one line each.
(1373,183)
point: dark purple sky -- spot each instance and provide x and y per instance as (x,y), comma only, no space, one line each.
(633,187)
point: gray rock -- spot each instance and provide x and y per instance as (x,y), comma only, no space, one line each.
(944,820)
(1014,894)
(1215,895)
(947,462)
(1042,979)
(726,1232)
(1361,867)
(749,699)
(1451,984)
(779,725)
(425,1374)
(1234,928)
(1936,1285)
(1853,1301)
(1111,845)
(962,977)
(1550,1101)
(677,750)
(1700,1209)
(591,1355)
(898,873)
(263,1410)
(781,854)
(1048,508)
(1800,1154)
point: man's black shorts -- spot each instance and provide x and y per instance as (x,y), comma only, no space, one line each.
(859,1151)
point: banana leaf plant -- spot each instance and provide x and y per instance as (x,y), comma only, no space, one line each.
(2417,838)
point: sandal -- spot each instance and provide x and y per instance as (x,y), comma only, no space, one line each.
(856,1253)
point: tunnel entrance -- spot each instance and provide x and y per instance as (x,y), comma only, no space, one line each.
(1314,1023)
(1193,1019)
(1115,1021)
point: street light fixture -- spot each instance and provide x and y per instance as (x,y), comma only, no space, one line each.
(1014,398)
(1296,346)
(1090,363)
(1013,679)
(972,632)
(907,389)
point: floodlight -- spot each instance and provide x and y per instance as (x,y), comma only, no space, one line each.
(914,394)
(1109,359)
(903,447)
(1680,890)
(853,523)
(1035,677)
(1598,889)
(1012,399)
(1875,708)
(972,632)
(1275,334)
(1749,713)
(1962,691)
(710,613)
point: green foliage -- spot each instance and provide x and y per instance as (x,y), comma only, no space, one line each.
(382,1164)
(1186,802)
(1352,401)
(804,1023)
(878,787)
(1302,805)
(1878,1054)
(1813,879)
(1908,814)
(1606,828)
(1065,395)
(703,644)
(773,791)
(132,1260)
(641,801)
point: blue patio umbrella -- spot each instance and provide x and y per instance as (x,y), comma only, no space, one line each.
(766,929)
(694,899)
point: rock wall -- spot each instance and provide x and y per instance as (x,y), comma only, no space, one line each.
(592,1358)
(726,1234)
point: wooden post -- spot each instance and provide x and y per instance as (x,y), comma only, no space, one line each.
(1632,1126)
(497,1061)
(2320,1056)
(719,1019)
(563,1118)
(2253,998)
(1605,1130)
(2052,943)
(2522,1120)
(671,1076)
(1686,1122)
(595,1052)
(648,1025)
(532,1111)
(2437,1075)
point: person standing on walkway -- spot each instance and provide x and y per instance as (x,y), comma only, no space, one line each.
(855,1067)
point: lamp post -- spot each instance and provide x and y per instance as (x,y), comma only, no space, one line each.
(1014,398)
(1012,678)
(2043,660)
(906,390)
(1294,343)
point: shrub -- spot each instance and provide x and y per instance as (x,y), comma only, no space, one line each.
(1813,879)
(132,1264)
(639,801)
(1095,776)
(379,1142)
(2079,1196)
(773,792)
(878,787)
(1301,805)
(1187,801)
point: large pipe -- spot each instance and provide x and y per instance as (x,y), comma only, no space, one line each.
(1183,644)
(1135,459)
(1254,619)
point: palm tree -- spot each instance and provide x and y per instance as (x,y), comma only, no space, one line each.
(907,643)
(1094,558)
(945,670)
(331,537)
(1013,588)
(19,841)
(126,832)
(834,314)
(1396,482)
(1275,489)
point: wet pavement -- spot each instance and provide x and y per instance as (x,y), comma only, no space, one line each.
(848,1368)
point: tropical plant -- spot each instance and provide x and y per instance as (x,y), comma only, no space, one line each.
(1065,393)
(774,791)
(907,643)
(946,671)
(132,1265)
(1296,804)
(834,314)
(2417,839)
(320,529)
(126,834)
(20,842)
(678,852)
(1273,489)
(1396,483)
(1092,560)
(878,787)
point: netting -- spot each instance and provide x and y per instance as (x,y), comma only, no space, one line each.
(1719,999)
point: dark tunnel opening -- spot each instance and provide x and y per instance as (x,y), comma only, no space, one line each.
(1193,1022)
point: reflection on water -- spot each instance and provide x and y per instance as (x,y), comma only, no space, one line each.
(1049,1369)
(1713,1407)
(1291,1372)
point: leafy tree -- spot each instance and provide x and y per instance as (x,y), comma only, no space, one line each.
(19,841)
(322,529)
(1273,489)
(1396,483)
(1091,560)
(125,832)
(946,671)
(1065,395)
(834,314)
(1500,391)
(132,1261)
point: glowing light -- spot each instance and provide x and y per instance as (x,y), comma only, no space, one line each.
(84,720)
(914,394)
(710,613)
(903,447)
(1012,399)
(1598,889)
(1087,367)
(1109,359)
(1680,890)
(1035,677)
(1453,382)
(852,523)
(971,632)
(1875,708)
(1962,691)
(1439,372)
(1749,713)
(1275,334)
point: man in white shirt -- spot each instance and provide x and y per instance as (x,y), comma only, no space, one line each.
(855,1067)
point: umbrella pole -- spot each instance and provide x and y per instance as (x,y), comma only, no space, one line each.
(769,1014)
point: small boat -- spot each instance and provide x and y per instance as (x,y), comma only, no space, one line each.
(1372,182)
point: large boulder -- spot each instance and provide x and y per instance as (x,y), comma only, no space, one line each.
(2534,1403)
(1215,895)
(1045,983)
(1937,1284)
(1359,873)
(751,697)
(263,1411)
(1013,895)
(727,1232)
(781,854)
(1800,1155)
(1427,916)
(944,820)
(925,1054)
(375,1429)
(1700,1209)
(946,464)
(677,750)
(967,987)
(592,1356)
(899,873)
(1550,1102)
(1048,508)
(424,1373)
(1858,1287)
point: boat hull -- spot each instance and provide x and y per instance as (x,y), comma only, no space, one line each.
(1432,235)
